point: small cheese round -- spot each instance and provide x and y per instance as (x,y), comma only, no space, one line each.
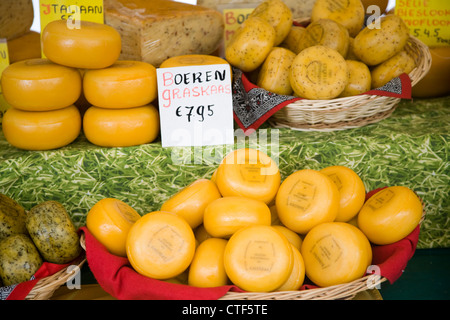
(192,60)
(109,221)
(191,201)
(224,216)
(297,276)
(359,79)
(160,245)
(121,127)
(40,85)
(43,130)
(390,215)
(335,253)
(125,84)
(351,191)
(258,258)
(294,39)
(278,14)
(207,268)
(292,237)
(87,46)
(250,45)
(249,173)
(274,73)
(393,67)
(318,72)
(305,199)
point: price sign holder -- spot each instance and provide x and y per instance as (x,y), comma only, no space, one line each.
(195,105)
(4,63)
(427,20)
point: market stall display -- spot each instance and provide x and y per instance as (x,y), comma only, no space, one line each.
(254,219)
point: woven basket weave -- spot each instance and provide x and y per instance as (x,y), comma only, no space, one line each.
(45,287)
(349,112)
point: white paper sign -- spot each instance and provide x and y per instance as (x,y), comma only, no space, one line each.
(195,105)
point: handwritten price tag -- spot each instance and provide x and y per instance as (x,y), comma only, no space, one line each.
(427,20)
(195,105)
(4,63)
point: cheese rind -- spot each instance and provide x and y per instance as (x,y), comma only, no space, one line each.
(40,85)
(43,130)
(125,84)
(91,46)
(153,31)
(27,46)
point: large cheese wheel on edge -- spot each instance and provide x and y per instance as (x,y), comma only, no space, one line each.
(43,130)
(90,46)
(40,85)
(160,245)
(248,173)
(121,127)
(305,199)
(109,221)
(125,84)
(335,253)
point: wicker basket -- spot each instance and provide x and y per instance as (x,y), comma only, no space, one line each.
(45,287)
(349,112)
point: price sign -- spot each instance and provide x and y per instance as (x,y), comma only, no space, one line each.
(195,105)
(4,63)
(427,20)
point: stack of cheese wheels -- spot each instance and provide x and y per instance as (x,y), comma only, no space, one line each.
(118,94)
(42,96)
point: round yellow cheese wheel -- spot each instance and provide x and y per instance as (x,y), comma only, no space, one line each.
(250,44)
(274,73)
(249,173)
(292,237)
(258,258)
(393,67)
(294,38)
(224,216)
(278,14)
(121,127)
(207,268)
(192,60)
(40,85)
(390,215)
(318,72)
(359,79)
(125,84)
(191,201)
(305,199)
(109,221)
(43,130)
(297,276)
(201,234)
(88,46)
(351,191)
(160,245)
(335,253)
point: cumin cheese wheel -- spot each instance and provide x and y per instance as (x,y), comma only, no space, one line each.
(160,245)
(258,258)
(121,127)
(43,130)
(318,72)
(305,199)
(191,201)
(293,40)
(249,173)
(12,217)
(224,216)
(87,46)
(351,188)
(335,253)
(40,85)
(274,73)
(278,14)
(393,67)
(207,268)
(109,221)
(125,84)
(359,79)
(250,45)
(390,215)
(297,276)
